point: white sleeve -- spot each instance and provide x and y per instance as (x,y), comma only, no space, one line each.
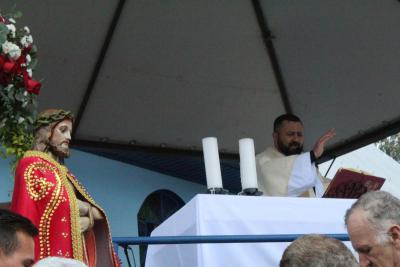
(304,176)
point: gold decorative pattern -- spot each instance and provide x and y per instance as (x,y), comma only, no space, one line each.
(37,187)
(60,173)
(77,248)
(39,190)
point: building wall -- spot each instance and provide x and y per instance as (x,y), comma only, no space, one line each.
(118,188)
(6,181)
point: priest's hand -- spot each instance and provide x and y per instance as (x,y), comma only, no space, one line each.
(319,146)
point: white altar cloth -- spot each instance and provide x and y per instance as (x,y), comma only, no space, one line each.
(243,215)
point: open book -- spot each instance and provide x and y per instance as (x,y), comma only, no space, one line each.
(349,183)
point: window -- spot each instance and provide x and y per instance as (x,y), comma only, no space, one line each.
(156,208)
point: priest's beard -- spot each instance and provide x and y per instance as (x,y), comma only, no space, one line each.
(293,148)
(59,151)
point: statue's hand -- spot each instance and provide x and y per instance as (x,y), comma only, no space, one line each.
(96,213)
(85,215)
(85,223)
(84,208)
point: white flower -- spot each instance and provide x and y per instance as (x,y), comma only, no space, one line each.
(26,29)
(12,20)
(26,40)
(11,49)
(29,71)
(28,59)
(12,29)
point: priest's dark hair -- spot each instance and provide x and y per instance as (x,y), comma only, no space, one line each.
(285,117)
(10,224)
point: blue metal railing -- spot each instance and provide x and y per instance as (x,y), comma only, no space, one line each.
(159,240)
(125,242)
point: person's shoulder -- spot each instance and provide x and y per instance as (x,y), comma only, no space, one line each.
(28,159)
(266,155)
(268,152)
(36,161)
(261,154)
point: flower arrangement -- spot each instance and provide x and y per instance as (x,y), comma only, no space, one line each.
(18,90)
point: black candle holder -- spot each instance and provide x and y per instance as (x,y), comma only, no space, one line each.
(250,192)
(217,191)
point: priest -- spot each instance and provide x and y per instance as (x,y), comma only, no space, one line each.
(285,170)
(71,224)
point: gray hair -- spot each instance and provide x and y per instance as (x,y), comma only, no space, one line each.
(381,209)
(317,251)
(59,262)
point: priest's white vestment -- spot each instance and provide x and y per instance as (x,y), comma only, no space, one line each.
(295,175)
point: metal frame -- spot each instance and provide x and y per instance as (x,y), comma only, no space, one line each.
(268,37)
(160,240)
(98,65)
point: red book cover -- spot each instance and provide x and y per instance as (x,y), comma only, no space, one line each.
(352,184)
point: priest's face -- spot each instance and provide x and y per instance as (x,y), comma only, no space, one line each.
(59,142)
(289,139)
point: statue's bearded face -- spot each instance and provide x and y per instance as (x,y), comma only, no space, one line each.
(61,136)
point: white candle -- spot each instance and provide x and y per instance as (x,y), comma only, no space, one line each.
(211,161)
(248,173)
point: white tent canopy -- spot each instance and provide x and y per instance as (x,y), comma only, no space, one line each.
(167,73)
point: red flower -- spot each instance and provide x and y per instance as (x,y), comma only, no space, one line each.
(9,66)
(3,59)
(26,50)
(31,86)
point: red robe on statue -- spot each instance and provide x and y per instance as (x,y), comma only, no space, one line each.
(46,193)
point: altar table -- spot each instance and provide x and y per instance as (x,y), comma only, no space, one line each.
(243,215)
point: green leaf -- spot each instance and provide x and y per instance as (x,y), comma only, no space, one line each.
(35,105)
(20,97)
(33,50)
(3,29)
(2,39)
(33,63)
(9,88)
(30,119)
(3,33)
(10,95)
(17,15)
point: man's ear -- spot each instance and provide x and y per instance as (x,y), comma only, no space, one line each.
(2,255)
(394,232)
(275,136)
